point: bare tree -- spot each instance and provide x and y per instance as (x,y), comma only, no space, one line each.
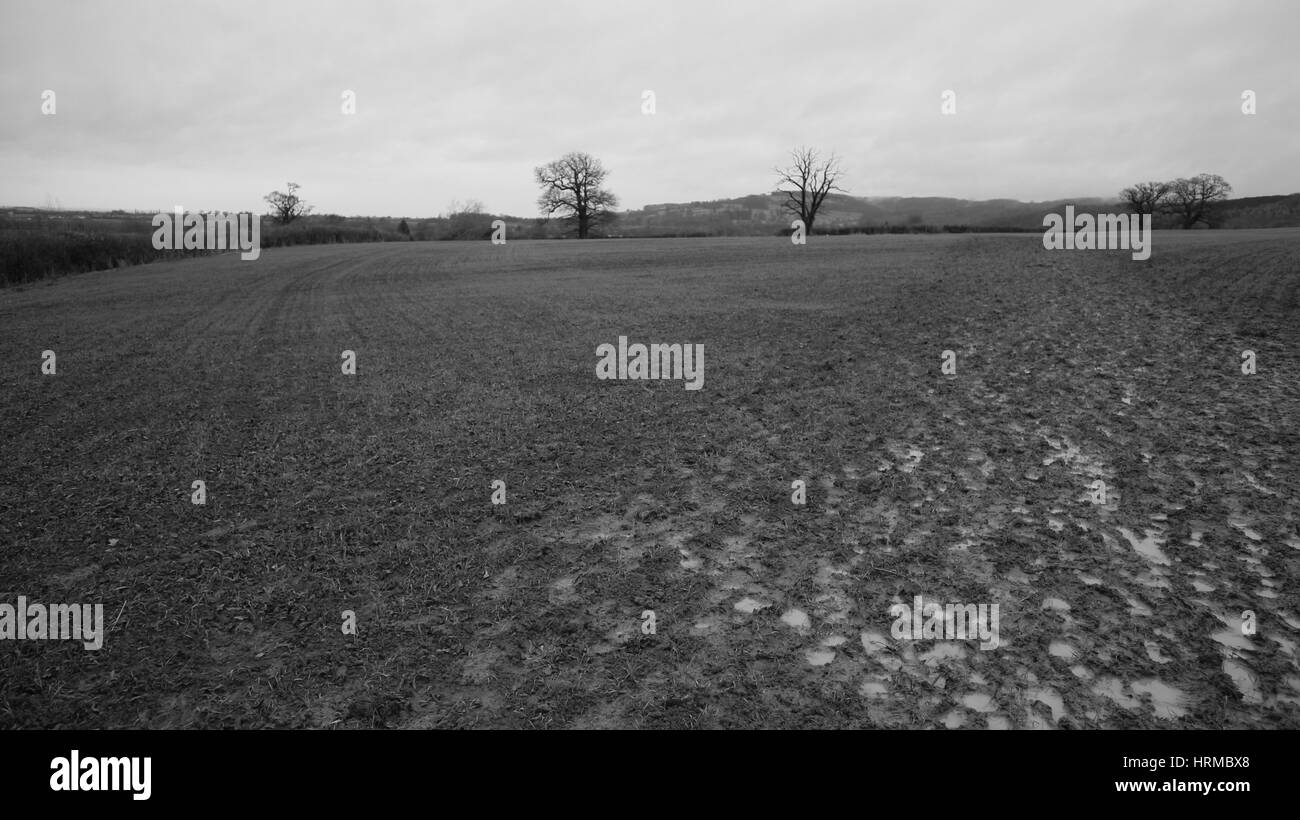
(1145,197)
(1194,199)
(285,208)
(470,206)
(572,185)
(812,180)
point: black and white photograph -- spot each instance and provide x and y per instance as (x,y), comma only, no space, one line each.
(835,365)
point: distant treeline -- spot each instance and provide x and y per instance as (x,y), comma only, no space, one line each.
(874,229)
(841,230)
(38,244)
(35,244)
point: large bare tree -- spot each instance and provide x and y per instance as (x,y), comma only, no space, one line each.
(571,185)
(285,208)
(1145,197)
(813,180)
(1193,199)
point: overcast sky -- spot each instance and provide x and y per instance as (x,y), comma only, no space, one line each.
(213,105)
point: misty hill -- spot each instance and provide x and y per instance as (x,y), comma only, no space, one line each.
(1261,212)
(760,214)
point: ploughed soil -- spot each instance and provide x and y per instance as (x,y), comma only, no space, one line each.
(1098,466)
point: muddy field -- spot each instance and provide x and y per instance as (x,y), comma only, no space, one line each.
(373,493)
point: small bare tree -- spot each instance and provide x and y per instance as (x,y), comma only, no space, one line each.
(813,180)
(1194,199)
(1145,197)
(285,208)
(572,185)
(469,206)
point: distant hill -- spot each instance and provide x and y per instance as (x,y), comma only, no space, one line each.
(761,214)
(1261,212)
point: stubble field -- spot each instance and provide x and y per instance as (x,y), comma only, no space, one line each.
(476,363)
